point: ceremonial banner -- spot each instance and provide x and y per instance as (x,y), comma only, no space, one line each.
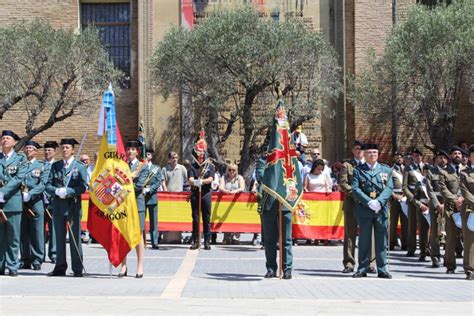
(322,217)
(282,177)
(113,214)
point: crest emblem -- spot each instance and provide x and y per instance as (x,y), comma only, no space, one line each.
(12,169)
(109,188)
(302,214)
(36,173)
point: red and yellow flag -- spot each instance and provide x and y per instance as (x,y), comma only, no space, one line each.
(113,214)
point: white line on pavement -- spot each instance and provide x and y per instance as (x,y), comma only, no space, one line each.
(178,282)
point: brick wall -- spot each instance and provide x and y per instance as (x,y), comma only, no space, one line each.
(65,14)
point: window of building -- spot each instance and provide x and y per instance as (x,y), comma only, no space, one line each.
(113,22)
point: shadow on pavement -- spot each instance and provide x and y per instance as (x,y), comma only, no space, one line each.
(323,272)
(234,277)
(237,248)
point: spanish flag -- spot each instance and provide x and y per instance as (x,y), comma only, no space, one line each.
(113,215)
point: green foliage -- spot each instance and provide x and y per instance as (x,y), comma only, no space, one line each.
(429,60)
(232,62)
(51,74)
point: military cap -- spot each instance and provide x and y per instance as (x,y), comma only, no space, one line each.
(471,148)
(416,151)
(455,148)
(464,152)
(51,144)
(370,146)
(442,153)
(426,166)
(32,143)
(358,143)
(397,153)
(133,144)
(11,134)
(68,141)
(150,150)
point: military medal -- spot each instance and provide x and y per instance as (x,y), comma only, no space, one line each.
(373,195)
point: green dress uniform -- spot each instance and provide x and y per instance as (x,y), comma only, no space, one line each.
(48,207)
(436,199)
(67,210)
(451,191)
(396,213)
(411,177)
(32,220)
(350,220)
(12,173)
(152,183)
(270,219)
(259,171)
(367,185)
(139,174)
(467,191)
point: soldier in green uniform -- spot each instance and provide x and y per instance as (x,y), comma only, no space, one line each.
(412,176)
(451,192)
(67,180)
(396,212)
(139,174)
(436,205)
(467,212)
(259,171)
(12,173)
(350,220)
(50,148)
(32,219)
(152,183)
(372,188)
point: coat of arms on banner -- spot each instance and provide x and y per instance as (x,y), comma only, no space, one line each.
(110,188)
(302,214)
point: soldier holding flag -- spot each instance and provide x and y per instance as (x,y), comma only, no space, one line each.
(282,190)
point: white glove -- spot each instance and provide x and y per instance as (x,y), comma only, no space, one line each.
(61,192)
(26,197)
(197,183)
(146,190)
(2,200)
(375,206)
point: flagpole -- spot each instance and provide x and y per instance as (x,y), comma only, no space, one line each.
(281,240)
(199,220)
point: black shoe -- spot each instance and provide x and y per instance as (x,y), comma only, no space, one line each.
(459,255)
(359,275)
(78,274)
(422,258)
(24,266)
(53,260)
(435,263)
(56,273)
(384,275)
(404,248)
(139,275)
(121,275)
(2,272)
(410,254)
(270,274)
(13,273)
(372,270)
(155,247)
(36,266)
(287,275)
(348,270)
(469,275)
(450,271)
(194,246)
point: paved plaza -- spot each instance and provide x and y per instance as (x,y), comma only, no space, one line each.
(229,280)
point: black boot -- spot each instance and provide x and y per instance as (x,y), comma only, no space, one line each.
(207,245)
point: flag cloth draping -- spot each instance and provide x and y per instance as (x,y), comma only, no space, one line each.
(113,214)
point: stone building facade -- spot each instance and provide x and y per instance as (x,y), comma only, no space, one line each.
(351,26)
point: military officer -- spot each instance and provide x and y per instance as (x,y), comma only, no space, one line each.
(67,180)
(32,219)
(12,173)
(139,174)
(451,192)
(467,191)
(412,176)
(372,188)
(396,212)
(350,220)
(50,148)
(152,183)
(436,204)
